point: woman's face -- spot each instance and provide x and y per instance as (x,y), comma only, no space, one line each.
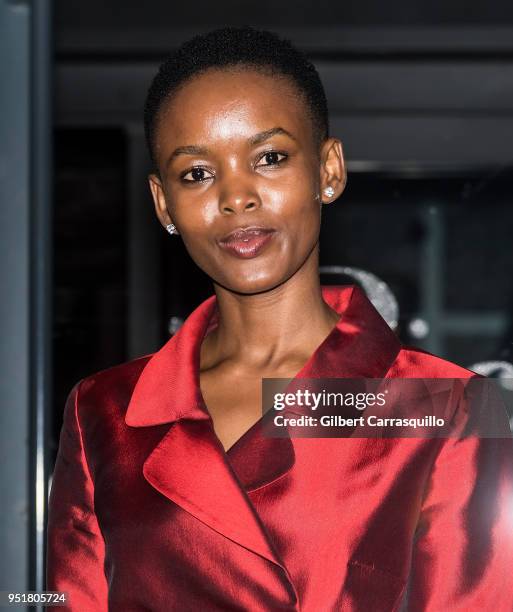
(235,150)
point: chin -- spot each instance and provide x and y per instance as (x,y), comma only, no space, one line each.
(251,286)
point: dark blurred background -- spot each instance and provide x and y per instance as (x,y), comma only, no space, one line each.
(421,94)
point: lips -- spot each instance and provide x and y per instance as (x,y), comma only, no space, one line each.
(247,242)
(244,233)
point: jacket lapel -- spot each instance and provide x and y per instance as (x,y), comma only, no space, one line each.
(189,467)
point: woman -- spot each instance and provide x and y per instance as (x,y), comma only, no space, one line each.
(166,494)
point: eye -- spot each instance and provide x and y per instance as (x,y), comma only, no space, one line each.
(196,175)
(272,158)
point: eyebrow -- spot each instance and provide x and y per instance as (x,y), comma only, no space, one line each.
(253,141)
(263,136)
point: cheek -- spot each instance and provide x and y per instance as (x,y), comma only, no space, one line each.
(308,229)
(293,201)
(196,216)
(302,217)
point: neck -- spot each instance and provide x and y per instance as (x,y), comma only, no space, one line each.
(265,331)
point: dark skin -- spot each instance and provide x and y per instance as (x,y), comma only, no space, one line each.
(271,313)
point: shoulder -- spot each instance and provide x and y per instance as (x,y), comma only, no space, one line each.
(413,362)
(110,387)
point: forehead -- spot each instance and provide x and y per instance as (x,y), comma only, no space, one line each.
(232,103)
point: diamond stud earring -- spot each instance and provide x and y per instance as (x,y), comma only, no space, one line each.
(171,229)
(329,192)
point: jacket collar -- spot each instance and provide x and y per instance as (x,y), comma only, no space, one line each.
(168,389)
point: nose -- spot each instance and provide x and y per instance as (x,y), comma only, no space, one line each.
(238,197)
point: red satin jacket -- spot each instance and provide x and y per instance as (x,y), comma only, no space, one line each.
(148,512)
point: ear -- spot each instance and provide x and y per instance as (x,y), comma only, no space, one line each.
(333,169)
(159,199)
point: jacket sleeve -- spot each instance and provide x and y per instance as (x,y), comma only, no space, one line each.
(75,545)
(463,549)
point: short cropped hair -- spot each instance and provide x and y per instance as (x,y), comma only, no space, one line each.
(231,47)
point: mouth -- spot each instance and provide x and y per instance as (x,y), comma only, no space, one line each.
(248,242)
